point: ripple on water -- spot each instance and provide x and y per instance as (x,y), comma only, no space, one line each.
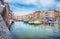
(21,30)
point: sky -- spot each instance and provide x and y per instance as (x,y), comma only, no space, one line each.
(23,7)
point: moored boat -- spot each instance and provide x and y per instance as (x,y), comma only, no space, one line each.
(51,21)
(26,21)
(37,22)
(31,22)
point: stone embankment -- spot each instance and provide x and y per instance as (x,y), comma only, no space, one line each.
(4,31)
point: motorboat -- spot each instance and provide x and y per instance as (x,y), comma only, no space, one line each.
(31,22)
(37,22)
(26,21)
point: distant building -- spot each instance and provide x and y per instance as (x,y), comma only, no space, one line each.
(47,14)
(42,15)
(36,15)
(50,15)
(13,16)
(8,14)
(57,15)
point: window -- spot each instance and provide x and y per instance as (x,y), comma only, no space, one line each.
(46,17)
(46,12)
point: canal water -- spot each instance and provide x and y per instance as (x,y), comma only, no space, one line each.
(20,30)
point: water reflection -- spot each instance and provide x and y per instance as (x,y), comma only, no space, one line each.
(21,30)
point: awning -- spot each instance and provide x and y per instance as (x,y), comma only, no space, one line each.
(51,21)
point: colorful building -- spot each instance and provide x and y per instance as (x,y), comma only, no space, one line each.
(36,15)
(57,15)
(50,15)
(47,15)
(8,14)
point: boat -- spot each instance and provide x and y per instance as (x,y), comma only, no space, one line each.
(26,21)
(51,21)
(31,22)
(37,22)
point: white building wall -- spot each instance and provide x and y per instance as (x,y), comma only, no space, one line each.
(47,14)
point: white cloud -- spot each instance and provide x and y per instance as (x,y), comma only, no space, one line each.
(22,12)
(39,3)
(9,0)
(23,1)
(46,2)
(58,4)
(28,1)
(34,2)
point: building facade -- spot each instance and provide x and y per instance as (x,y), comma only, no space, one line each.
(50,15)
(8,14)
(57,15)
(47,15)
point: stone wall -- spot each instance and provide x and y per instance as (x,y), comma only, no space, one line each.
(4,31)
